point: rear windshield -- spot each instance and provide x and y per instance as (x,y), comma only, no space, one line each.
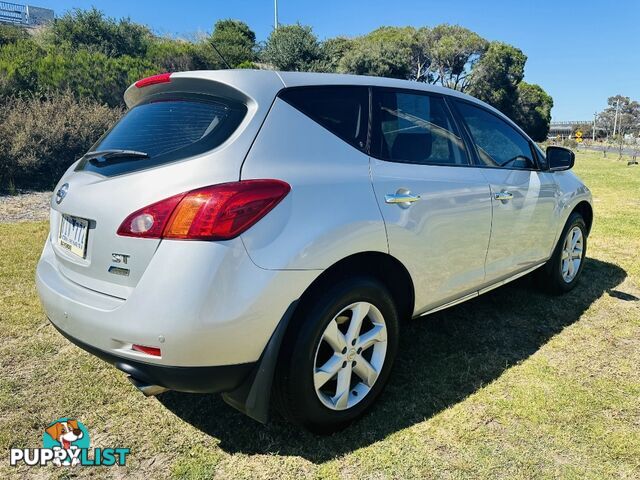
(166,130)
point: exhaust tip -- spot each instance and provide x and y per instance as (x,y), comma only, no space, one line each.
(147,389)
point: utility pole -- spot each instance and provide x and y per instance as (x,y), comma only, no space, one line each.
(275,14)
(593,130)
(615,118)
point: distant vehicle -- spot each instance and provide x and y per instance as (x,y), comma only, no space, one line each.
(252,231)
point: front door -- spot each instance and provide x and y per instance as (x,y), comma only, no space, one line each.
(524,198)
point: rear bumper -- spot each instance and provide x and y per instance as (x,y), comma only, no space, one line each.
(217,379)
(204,304)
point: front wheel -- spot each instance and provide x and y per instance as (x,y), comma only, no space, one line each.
(338,355)
(562,271)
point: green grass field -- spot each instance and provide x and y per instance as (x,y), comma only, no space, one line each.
(514,384)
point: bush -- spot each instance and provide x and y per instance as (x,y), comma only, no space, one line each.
(93,30)
(28,68)
(41,137)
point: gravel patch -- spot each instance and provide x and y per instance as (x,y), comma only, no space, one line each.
(24,207)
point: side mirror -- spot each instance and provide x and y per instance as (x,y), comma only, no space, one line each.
(560,158)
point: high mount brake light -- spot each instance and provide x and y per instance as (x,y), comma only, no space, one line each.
(152,80)
(218,212)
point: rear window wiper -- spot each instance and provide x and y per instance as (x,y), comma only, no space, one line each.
(114,153)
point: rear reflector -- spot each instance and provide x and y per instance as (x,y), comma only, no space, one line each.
(218,212)
(152,80)
(148,350)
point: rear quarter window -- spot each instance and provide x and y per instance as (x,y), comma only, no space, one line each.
(167,129)
(343,110)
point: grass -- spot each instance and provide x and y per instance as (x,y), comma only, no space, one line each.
(514,384)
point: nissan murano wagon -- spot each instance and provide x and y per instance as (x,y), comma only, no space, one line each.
(264,234)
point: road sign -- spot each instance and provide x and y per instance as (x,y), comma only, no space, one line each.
(578,134)
(579,139)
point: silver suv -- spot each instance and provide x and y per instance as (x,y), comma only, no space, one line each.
(250,232)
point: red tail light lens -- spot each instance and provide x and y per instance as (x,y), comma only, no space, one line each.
(219,212)
(152,80)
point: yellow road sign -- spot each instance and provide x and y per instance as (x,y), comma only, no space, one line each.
(578,134)
(579,139)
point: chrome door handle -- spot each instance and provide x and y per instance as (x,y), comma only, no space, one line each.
(504,196)
(404,199)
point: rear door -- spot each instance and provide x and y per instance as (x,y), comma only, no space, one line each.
(524,197)
(436,205)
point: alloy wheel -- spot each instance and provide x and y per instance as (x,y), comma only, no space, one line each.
(350,356)
(572,251)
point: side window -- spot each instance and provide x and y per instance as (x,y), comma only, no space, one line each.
(498,144)
(415,128)
(343,110)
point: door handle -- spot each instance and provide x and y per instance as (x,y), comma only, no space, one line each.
(402,198)
(504,196)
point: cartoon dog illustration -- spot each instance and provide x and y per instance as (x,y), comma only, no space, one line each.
(66,433)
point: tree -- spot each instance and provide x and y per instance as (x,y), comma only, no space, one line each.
(91,29)
(293,48)
(496,76)
(235,41)
(454,52)
(533,110)
(331,52)
(412,48)
(628,119)
(378,58)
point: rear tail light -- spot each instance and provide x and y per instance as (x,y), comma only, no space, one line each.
(152,80)
(218,212)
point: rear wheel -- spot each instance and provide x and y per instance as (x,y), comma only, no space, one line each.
(562,271)
(337,355)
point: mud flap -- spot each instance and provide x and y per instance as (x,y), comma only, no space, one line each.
(253,396)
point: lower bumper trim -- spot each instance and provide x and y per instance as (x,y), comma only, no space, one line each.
(223,378)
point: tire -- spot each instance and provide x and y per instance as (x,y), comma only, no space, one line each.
(307,346)
(551,277)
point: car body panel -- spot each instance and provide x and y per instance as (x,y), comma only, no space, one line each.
(523,228)
(442,238)
(331,212)
(195,295)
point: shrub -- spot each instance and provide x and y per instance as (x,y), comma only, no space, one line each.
(93,30)
(29,68)
(41,137)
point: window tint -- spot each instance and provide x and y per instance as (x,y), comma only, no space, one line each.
(166,130)
(498,144)
(415,128)
(342,110)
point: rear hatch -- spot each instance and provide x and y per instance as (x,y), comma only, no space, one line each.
(187,131)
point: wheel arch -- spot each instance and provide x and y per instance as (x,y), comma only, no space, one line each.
(385,268)
(253,397)
(585,209)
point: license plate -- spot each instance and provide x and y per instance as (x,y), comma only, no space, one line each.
(73,235)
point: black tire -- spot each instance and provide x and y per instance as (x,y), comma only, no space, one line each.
(550,275)
(295,394)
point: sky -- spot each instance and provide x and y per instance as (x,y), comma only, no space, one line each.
(580,52)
